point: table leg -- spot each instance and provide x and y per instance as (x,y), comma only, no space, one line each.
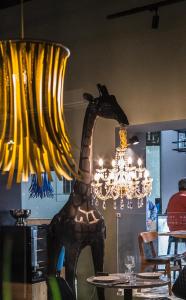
(127,294)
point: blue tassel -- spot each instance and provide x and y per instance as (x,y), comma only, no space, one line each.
(45,190)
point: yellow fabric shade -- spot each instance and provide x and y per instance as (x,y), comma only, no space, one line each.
(33,138)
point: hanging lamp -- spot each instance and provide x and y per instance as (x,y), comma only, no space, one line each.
(33,138)
(123,181)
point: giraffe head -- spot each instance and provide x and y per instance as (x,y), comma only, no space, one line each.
(106,105)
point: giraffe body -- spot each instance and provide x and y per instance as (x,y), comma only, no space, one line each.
(79,223)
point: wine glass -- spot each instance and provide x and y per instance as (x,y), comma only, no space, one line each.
(130,263)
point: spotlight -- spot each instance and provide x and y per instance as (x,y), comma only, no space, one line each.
(155,20)
(133,140)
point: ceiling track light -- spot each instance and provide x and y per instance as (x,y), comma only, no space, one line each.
(133,140)
(149,7)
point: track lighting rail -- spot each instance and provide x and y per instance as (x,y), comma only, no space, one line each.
(139,9)
(7,3)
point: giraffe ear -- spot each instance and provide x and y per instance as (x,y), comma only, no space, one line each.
(88,97)
(102,90)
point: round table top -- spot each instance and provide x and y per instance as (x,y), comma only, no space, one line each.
(138,283)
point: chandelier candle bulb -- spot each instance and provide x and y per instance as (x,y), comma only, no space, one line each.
(139,162)
(130,161)
(100,162)
(113,163)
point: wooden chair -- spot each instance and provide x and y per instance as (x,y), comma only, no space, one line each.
(153,261)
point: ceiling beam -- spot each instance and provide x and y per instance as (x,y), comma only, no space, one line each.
(139,9)
(7,3)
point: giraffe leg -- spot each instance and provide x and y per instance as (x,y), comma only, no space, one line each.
(97,248)
(71,258)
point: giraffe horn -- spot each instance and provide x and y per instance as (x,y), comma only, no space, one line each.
(99,88)
(102,90)
(88,97)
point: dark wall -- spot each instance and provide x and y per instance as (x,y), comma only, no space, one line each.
(9,198)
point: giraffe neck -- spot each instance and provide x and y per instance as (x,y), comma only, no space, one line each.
(86,144)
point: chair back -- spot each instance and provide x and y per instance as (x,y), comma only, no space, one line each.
(147,237)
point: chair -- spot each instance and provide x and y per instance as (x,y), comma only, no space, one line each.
(175,240)
(154,261)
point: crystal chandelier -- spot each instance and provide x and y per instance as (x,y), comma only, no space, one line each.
(123,181)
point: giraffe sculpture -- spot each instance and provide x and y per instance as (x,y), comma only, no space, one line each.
(79,223)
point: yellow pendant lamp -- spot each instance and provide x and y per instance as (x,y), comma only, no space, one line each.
(33,138)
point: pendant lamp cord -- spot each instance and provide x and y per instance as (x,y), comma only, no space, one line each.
(22,20)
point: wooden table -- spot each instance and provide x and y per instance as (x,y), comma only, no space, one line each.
(181,234)
(128,287)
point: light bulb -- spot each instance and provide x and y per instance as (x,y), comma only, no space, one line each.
(100,162)
(139,162)
(113,163)
(130,160)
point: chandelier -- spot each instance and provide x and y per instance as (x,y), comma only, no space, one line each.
(123,181)
(33,138)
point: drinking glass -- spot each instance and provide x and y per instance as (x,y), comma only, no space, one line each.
(130,263)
